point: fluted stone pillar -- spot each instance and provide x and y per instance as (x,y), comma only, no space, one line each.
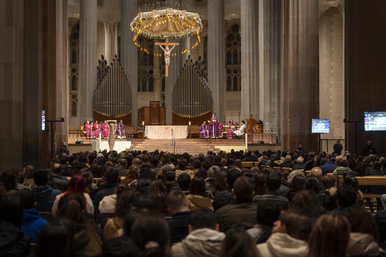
(249,59)
(270,58)
(129,53)
(157,73)
(87,58)
(61,71)
(32,83)
(216,56)
(111,41)
(11,84)
(300,73)
(185,45)
(170,81)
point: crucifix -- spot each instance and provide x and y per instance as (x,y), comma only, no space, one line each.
(167,53)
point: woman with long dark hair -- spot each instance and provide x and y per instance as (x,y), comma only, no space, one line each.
(77,185)
(87,240)
(158,193)
(238,243)
(197,195)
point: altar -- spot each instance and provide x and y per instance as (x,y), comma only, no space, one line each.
(166,132)
(119,146)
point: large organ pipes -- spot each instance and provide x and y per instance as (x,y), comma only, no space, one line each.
(191,94)
(112,96)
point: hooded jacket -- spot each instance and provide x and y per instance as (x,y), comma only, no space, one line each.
(282,245)
(341,170)
(13,241)
(32,223)
(200,242)
(87,242)
(45,197)
(362,244)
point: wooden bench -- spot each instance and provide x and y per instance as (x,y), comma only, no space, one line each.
(249,164)
(372,181)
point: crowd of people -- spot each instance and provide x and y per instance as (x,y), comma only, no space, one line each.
(161,204)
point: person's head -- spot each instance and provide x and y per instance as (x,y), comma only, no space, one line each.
(238,243)
(111,175)
(56,168)
(170,176)
(232,175)
(9,180)
(203,218)
(56,239)
(11,209)
(317,172)
(346,195)
(213,171)
(328,181)
(297,184)
(329,237)
(242,122)
(342,163)
(338,141)
(293,174)
(362,221)
(125,200)
(267,213)
(154,161)
(184,181)
(73,207)
(122,162)
(312,183)
(197,186)
(259,181)
(377,165)
(307,202)
(300,145)
(40,177)
(368,142)
(273,180)
(243,188)
(27,198)
(150,234)
(177,202)
(351,181)
(294,224)
(213,115)
(131,215)
(288,158)
(299,160)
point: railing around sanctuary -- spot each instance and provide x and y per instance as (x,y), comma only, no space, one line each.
(112,97)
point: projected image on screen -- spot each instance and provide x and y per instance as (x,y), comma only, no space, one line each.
(320,126)
(375,121)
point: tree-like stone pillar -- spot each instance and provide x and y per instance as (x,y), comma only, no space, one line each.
(129,53)
(299,74)
(87,58)
(111,40)
(270,64)
(216,56)
(249,60)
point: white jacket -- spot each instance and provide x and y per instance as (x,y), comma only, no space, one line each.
(240,131)
(89,204)
(107,205)
(282,245)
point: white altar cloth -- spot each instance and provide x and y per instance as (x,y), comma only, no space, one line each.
(119,146)
(166,132)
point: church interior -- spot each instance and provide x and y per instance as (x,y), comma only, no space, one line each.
(282,62)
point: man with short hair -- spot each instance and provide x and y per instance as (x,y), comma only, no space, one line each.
(204,238)
(369,149)
(179,209)
(317,173)
(338,147)
(108,188)
(154,166)
(300,165)
(32,222)
(346,196)
(242,211)
(44,194)
(122,168)
(225,196)
(59,181)
(273,183)
(329,167)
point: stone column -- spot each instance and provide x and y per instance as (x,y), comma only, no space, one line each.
(157,73)
(216,56)
(185,44)
(11,84)
(170,81)
(299,74)
(129,53)
(249,59)
(61,71)
(111,40)
(270,19)
(87,58)
(32,84)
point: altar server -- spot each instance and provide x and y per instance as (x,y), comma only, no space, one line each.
(97,129)
(240,132)
(87,129)
(232,128)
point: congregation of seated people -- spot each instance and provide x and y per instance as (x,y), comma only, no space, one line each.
(140,203)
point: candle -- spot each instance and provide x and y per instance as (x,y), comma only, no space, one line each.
(190,123)
(143,123)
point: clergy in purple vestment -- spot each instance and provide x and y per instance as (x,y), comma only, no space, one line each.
(215,120)
(204,130)
(121,130)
